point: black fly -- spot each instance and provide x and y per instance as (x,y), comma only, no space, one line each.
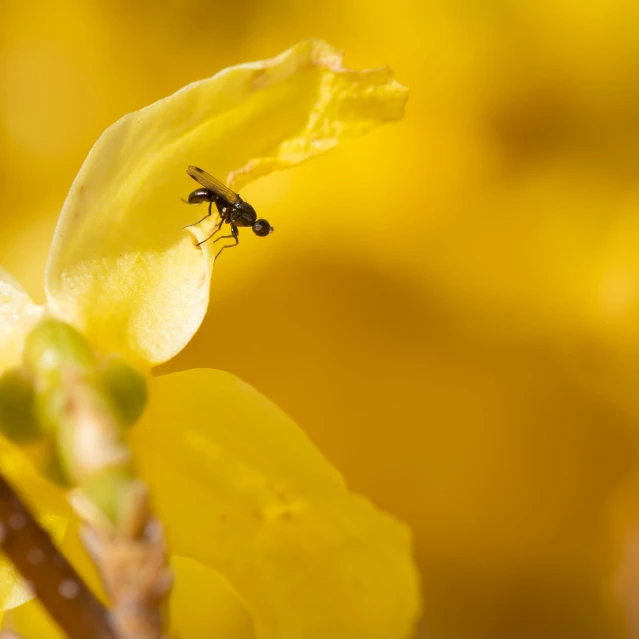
(232,208)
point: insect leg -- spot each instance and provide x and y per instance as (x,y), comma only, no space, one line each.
(204,218)
(217,228)
(234,235)
(221,207)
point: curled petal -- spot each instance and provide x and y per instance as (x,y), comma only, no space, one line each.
(244,491)
(121,268)
(17,315)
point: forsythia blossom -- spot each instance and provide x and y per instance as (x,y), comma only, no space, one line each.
(239,487)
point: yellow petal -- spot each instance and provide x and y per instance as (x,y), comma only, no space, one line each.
(243,490)
(203,605)
(46,501)
(31,620)
(121,267)
(17,315)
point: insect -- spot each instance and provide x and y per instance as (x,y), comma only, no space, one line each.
(232,208)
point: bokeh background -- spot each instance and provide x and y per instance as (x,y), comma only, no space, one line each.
(449,307)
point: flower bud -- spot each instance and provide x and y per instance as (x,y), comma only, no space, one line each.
(127,388)
(17,407)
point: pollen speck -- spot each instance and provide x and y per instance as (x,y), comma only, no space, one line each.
(69,589)
(35,556)
(17,521)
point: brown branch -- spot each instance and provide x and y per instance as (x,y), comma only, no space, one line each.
(135,575)
(132,563)
(52,579)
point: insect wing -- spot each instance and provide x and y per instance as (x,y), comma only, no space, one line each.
(209,182)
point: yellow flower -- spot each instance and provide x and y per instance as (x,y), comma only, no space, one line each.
(240,488)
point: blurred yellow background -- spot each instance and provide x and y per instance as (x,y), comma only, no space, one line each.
(449,306)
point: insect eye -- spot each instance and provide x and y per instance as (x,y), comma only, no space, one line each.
(262,228)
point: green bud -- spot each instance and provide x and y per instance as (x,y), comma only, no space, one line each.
(17,407)
(83,403)
(52,346)
(52,469)
(50,404)
(127,388)
(107,489)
